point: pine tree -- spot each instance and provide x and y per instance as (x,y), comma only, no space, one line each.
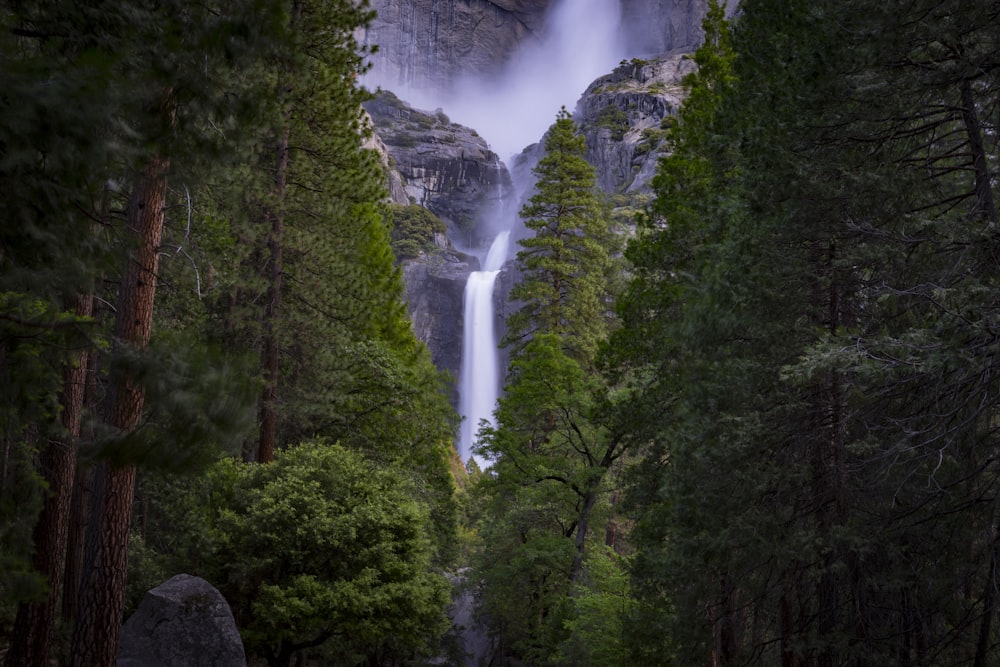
(553,445)
(565,263)
(789,304)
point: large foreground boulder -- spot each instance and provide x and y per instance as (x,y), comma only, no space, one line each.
(184,622)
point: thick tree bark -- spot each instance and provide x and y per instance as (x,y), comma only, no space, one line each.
(34,623)
(102,594)
(79,507)
(268,412)
(79,511)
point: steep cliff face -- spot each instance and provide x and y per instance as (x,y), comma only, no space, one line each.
(435,286)
(624,117)
(443,166)
(661,26)
(428,44)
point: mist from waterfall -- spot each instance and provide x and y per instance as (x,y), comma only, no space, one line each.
(580,43)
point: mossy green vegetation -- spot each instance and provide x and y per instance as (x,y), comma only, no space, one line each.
(414,229)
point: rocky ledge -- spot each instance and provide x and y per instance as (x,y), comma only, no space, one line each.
(625,116)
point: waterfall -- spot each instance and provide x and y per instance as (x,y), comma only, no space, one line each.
(581,42)
(480,382)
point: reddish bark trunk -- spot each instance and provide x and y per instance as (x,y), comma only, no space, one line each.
(35,621)
(102,594)
(82,487)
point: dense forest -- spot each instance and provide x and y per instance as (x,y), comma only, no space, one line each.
(755,426)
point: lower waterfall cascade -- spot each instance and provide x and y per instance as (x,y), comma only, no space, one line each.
(480,381)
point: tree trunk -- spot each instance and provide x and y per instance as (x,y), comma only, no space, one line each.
(34,623)
(985,205)
(269,355)
(269,399)
(82,487)
(582,526)
(102,594)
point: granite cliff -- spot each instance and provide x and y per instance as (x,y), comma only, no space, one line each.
(625,116)
(429,45)
(440,165)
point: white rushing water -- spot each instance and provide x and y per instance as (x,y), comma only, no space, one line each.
(480,385)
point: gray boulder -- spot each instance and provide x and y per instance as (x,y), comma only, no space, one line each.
(184,622)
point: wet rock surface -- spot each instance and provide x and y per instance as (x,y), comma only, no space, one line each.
(443,166)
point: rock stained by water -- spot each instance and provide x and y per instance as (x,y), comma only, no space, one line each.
(429,45)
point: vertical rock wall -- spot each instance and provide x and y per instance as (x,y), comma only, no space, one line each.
(660,26)
(426,45)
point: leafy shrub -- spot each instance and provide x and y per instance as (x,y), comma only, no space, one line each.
(615,120)
(413,230)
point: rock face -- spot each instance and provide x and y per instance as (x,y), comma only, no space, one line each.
(435,289)
(443,166)
(428,44)
(624,117)
(448,169)
(184,622)
(660,26)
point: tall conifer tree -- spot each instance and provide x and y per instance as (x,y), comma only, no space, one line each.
(806,295)
(552,446)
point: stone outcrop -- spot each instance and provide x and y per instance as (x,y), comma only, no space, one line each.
(443,166)
(450,170)
(394,180)
(184,622)
(624,116)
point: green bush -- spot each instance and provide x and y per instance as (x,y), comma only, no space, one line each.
(413,230)
(615,120)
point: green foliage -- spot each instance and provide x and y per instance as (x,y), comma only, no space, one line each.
(321,552)
(615,119)
(801,390)
(322,544)
(413,230)
(552,447)
(601,608)
(78,122)
(200,407)
(566,264)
